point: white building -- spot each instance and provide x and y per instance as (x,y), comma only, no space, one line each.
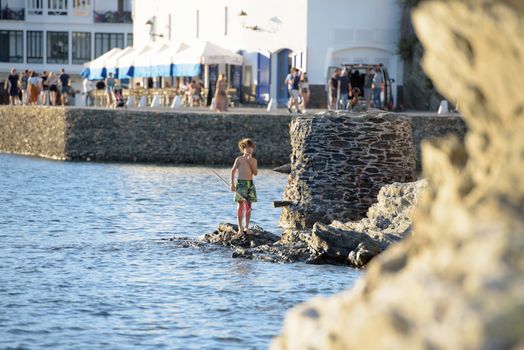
(274,35)
(52,34)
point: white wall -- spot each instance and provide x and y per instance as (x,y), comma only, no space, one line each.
(326,32)
(351,31)
(282,23)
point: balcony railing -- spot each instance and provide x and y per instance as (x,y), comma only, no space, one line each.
(113,17)
(12,14)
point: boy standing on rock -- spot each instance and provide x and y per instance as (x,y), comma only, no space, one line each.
(245,191)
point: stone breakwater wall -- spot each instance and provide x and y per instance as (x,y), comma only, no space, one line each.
(339,163)
(173,137)
(142,136)
(33,131)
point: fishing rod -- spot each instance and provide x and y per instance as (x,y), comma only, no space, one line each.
(276,204)
(227,184)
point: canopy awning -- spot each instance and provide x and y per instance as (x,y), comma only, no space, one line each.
(158,60)
(126,63)
(112,62)
(207,53)
(146,64)
(96,69)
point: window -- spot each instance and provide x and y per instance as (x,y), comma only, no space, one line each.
(129,39)
(34,7)
(81,7)
(81,47)
(57,7)
(35,47)
(57,47)
(107,41)
(11,46)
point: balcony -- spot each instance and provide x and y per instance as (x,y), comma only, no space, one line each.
(112,17)
(12,14)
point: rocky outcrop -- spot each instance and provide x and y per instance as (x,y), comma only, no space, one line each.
(458,281)
(355,243)
(259,244)
(351,243)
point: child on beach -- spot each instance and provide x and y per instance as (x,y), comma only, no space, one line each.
(245,192)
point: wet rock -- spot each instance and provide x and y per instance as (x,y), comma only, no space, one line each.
(335,245)
(260,244)
(227,235)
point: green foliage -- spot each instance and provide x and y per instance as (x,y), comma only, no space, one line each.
(406,47)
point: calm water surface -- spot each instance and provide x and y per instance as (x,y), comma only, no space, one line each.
(84,263)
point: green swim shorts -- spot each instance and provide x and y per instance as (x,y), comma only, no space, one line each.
(246,189)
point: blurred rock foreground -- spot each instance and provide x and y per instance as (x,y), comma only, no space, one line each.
(458,282)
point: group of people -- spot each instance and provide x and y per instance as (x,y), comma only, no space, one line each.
(344,96)
(32,88)
(217,96)
(191,92)
(298,88)
(112,89)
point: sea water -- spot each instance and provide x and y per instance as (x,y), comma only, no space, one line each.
(86,261)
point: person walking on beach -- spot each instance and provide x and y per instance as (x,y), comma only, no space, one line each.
(245,191)
(12,86)
(65,82)
(377,86)
(295,92)
(89,91)
(34,85)
(333,90)
(221,100)
(110,91)
(52,82)
(304,90)
(344,87)
(23,86)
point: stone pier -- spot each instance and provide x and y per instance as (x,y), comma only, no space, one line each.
(339,162)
